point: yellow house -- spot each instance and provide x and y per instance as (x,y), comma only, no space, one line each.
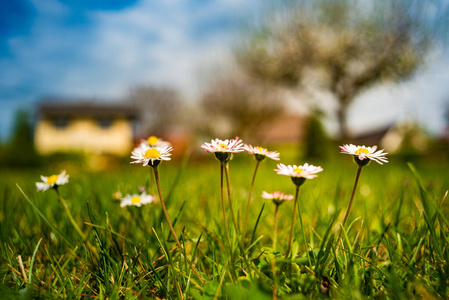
(87,127)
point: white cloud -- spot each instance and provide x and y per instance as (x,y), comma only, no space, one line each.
(152,42)
(147,46)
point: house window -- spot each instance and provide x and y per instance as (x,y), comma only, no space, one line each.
(105,123)
(60,123)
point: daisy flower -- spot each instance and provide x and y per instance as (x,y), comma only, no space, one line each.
(363,154)
(224,149)
(298,174)
(306,171)
(233,146)
(277,197)
(260,153)
(52,181)
(154,141)
(147,155)
(136,200)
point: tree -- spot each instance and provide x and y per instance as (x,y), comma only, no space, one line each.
(20,151)
(235,105)
(159,108)
(338,46)
(316,142)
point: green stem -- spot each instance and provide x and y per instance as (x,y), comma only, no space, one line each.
(156,176)
(232,210)
(351,200)
(80,232)
(249,201)
(275,226)
(293,223)
(304,236)
(222,165)
(225,222)
(228,183)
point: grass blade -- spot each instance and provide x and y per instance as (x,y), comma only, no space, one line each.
(428,214)
(44,218)
(257,223)
(32,262)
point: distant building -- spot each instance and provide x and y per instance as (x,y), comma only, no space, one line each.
(287,128)
(97,128)
(372,137)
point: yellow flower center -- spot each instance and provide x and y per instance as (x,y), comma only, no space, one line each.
(298,170)
(260,149)
(52,179)
(136,199)
(152,140)
(152,153)
(223,146)
(361,150)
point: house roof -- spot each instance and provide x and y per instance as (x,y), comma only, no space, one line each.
(54,109)
(285,128)
(373,137)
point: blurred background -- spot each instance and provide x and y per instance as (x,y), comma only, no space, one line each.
(88,80)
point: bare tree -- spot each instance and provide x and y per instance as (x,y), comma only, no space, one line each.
(159,108)
(338,46)
(236,105)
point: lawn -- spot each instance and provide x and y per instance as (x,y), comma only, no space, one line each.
(395,243)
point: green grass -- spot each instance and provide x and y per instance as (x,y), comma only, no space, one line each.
(396,244)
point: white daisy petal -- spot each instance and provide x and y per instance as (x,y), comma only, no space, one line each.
(363,152)
(305,171)
(52,181)
(136,200)
(229,146)
(154,141)
(145,154)
(277,197)
(260,152)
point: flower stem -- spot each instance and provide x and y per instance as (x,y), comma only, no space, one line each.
(222,166)
(228,183)
(304,236)
(275,227)
(225,222)
(293,223)
(156,176)
(351,200)
(83,236)
(249,201)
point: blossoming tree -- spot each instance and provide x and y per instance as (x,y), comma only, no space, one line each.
(340,48)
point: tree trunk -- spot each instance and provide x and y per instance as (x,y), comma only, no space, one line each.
(342,123)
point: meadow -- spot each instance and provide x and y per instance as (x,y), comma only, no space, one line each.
(394,246)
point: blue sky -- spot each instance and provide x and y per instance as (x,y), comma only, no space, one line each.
(100,49)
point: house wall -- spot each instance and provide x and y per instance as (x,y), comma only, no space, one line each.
(84,134)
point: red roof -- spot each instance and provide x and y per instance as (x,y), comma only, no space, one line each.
(284,129)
